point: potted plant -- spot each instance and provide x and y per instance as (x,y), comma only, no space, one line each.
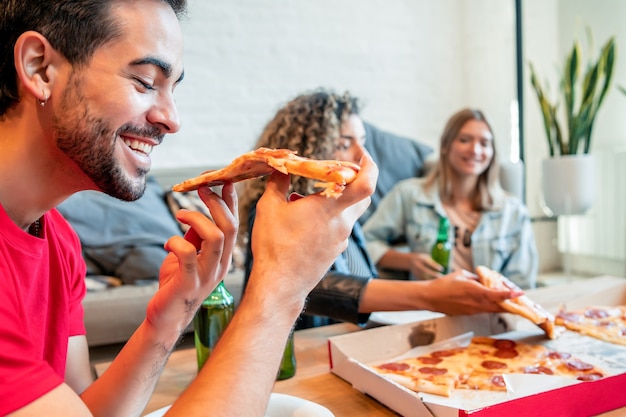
(568,175)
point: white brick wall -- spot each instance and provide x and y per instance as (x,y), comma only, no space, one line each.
(413,62)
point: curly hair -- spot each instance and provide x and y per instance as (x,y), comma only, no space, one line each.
(310,125)
(489,192)
(76,28)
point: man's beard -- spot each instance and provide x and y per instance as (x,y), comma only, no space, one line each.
(90,142)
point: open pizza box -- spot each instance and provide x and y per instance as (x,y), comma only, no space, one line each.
(538,395)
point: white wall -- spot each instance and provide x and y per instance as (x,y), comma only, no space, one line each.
(413,63)
(550,27)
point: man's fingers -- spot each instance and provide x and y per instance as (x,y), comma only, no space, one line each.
(277,184)
(191,235)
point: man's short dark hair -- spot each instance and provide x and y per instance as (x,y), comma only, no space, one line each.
(75,28)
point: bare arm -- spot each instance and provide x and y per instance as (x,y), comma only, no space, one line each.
(291,256)
(241,371)
(193,268)
(452,294)
(189,273)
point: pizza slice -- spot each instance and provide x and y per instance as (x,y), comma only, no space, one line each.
(564,364)
(522,305)
(490,358)
(602,322)
(438,372)
(431,380)
(332,176)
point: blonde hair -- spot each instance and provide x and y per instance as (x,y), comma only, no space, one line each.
(488,193)
(309,124)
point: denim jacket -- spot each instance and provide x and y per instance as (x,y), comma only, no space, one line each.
(503,239)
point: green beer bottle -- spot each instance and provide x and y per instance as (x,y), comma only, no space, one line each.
(288,364)
(442,248)
(211,320)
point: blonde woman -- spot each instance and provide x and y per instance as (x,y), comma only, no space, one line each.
(490,227)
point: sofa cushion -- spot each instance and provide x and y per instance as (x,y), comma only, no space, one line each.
(397,158)
(119,238)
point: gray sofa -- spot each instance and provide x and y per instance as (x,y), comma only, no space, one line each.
(123,242)
(123,249)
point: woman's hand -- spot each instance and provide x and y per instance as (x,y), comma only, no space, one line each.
(461,293)
(422,266)
(197,262)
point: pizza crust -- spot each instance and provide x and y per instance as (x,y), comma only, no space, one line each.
(332,175)
(522,305)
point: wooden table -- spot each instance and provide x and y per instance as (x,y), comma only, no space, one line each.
(313,380)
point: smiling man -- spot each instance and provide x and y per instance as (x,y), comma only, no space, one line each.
(86,94)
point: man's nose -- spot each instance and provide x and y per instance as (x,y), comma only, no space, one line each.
(165,114)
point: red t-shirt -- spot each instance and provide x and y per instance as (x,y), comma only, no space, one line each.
(41,290)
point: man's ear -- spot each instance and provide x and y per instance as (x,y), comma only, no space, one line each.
(35,64)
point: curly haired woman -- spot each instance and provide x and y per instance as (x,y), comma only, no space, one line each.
(325,125)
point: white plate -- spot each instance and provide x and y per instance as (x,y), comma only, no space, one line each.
(402,317)
(280,405)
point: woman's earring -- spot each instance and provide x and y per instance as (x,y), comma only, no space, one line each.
(43,102)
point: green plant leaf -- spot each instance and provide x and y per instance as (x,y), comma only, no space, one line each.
(568,83)
(545,107)
(582,97)
(606,63)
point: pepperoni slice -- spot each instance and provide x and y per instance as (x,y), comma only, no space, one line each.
(445,353)
(558,355)
(593,376)
(394,366)
(429,360)
(572,317)
(506,353)
(430,370)
(537,369)
(504,344)
(493,365)
(578,365)
(595,313)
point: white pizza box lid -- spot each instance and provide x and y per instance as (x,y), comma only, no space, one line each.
(349,355)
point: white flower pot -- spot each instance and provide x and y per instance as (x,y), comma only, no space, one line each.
(568,183)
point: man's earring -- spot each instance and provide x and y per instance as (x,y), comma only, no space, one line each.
(43,102)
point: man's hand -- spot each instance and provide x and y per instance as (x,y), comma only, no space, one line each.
(297,241)
(197,262)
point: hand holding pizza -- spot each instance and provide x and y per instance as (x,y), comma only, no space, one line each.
(520,305)
(461,293)
(197,262)
(295,242)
